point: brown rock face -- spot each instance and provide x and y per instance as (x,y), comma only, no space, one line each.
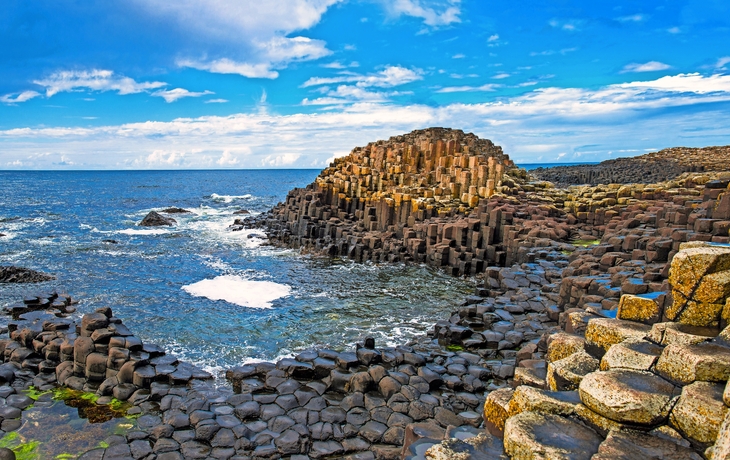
(621,445)
(628,396)
(530,435)
(700,412)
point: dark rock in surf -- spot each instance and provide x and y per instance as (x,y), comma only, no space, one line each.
(11,274)
(174,210)
(241,211)
(154,219)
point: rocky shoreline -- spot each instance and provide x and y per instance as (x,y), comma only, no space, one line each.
(600,313)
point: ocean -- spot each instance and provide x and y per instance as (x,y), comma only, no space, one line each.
(210,296)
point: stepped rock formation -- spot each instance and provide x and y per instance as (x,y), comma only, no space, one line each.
(652,167)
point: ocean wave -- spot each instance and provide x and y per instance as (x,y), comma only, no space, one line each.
(239,291)
(146,231)
(229,198)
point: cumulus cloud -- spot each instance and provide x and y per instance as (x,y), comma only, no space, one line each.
(255,35)
(95,80)
(227,159)
(21,97)
(632,18)
(623,116)
(173,95)
(651,66)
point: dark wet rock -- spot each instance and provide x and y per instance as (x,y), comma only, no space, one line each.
(11,274)
(154,219)
(175,210)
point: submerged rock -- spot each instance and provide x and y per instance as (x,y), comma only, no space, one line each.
(12,274)
(154,219)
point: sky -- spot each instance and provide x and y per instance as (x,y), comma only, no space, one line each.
(189,84)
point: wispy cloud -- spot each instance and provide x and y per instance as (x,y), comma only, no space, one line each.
(94,80)
(722,62)
(388,77)
(173,95)
(434,13)
(562,51)
(458,56)
(339,65)
(501,76)
(15,98)
(632,18)
(569,25)
(651,66)
(469,89)
(216,101)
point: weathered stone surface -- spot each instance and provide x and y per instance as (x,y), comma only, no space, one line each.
(700,412)
(628,396)
(639,355)
(530,435)
(567,373)
(531,399)
(642,308)
(481,446)
(700,280)
(496,410)
(562,345)
(688,363)
(622,445)
(721,449)
(606,332)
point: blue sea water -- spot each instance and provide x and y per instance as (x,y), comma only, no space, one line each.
(164,281)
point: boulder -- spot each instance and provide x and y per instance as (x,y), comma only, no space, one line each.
(562,345)
(12,274)
(531,399)
(496,410)
(155,219)
(700,412)
(567,373)
(603,333)
(625,445)
(643,308)
(639,355)
(530,435)
(685,364)
(628,396)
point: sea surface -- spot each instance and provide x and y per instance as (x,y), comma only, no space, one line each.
(211,296)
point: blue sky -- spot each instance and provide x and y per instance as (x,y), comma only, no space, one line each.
(155,84)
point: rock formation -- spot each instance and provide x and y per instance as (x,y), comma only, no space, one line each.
(11,274)
(652,167)
(155,219)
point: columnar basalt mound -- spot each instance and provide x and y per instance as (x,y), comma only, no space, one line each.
(650,168)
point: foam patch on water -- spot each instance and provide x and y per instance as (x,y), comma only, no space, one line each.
(239,291)
(147,231)
(229,198)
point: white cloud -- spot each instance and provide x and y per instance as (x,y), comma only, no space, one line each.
(501,76)
(173,95)
(227,159)
(340,66)
(722,62)
(651,66)
(94,80)
(493,38)
(388,77)
(685,83)
(22,97)
(465,89)
(674,30)
(435,13)
(632,18)
(633,115)
(216,101)
(569,25)
(458,56)
(286,159)
(254,35)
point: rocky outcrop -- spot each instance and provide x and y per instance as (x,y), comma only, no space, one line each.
(12,274)
(155,219)
(650,168)
(175,210)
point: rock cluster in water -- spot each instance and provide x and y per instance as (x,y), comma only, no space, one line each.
(653,167)
(12,274)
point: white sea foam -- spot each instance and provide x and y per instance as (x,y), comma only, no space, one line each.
(240,291)
(146,231)
(229,198)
